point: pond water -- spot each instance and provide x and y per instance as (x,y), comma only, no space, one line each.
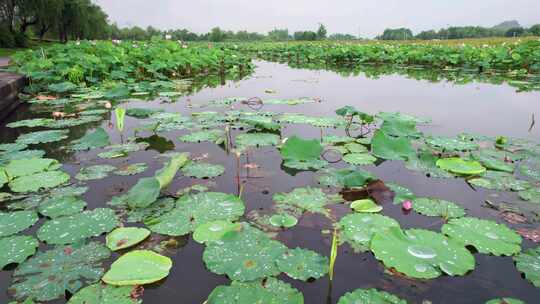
(487,109)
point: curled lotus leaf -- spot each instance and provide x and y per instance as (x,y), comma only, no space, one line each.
(138,267)
(268,291)
(359,159)
(391,148)
(357,229)
(460,166)
(437,207)
(28,166)
(94,172)
(372,296)
(38,181)
(214,231)
(366,206)
(144,193)
(303,264)
(505,301)
(308,199)
(42,137)
(125,237)
(215,136)
(451,144)
(94,140)
(58,206)
(421,253)
(193,210)
(132,169)
(105,294)
(70,229)
(16,249)
(202,170)
(486,236)
(156,209)
(248,140)
(528,262)
(49,274)
(17,221)
(283,220)
(244,255)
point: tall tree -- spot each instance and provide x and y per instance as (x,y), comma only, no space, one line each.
(321,32)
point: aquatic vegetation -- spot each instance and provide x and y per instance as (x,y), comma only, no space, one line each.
(41,137)
(202,170)
(460,166)
(92,140)
(254,140)
(131,169)
(106,294)
(357,229)
(528,262)
(437,207)
(94,172)
(283,220)
(391,148)
(505,301)
(371,295)
(306,199)
(303,264)
(366,206)
(359,159)
(14,222)
(302,154)
(16,249)
(138,267)
(347,178)
(214,231)
(271,291)
(215,136)
(501,181)
(61,205)
(125,237)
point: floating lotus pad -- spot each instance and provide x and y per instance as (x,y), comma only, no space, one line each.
(366,206)
(24,167)
(105,294)
(437,207)
(144,193)
(451,144)
(38,181)
(531,195)
(70,229)
(486,236)
(247,140)
(358,228)
(347,178)
(302,154)
(131,169)
(421,253)
(215,136)
(426,162)
(138,267)
(283,220)
(246,255)
(17,221)
(399,128)
(16,249)
(125,237)
(58,206)
(359,159)
(94,172)
(42,137)
(460,166)
(505,301)
(116,151)
(371,296)
(391,148)
(49,274)
(528,262)
(214,231)
(202,170)
(303,264)
(494,163)
(270,290)
(308,199)
(94,140)
(500,181)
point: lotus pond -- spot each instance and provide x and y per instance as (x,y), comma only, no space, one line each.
(289,185)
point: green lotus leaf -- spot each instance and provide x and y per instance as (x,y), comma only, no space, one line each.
(68,191)
(214,231)
(38,181)
(399,128)
(166,174)
(494,163)
(31,123)
(42,137)
(144,193)
(156,209)
(94,172)
(371,296)
(421,253)
(94,140)
(426,162)
(451,144)
(505,301)
(249,140)
(531,195)
(307,199)
(283,220)
(24,167)
(70,229)
(359,159)
(116,151)
(62,87)
(138,267)
(105,294)
(3,177)
(48,275)
(312,164)
(14,222)
(16,249)
(347,178)
(303,264)
(131,169)
(125,237)
(215,136)
(355,148)
(401,193)
(486,236)
(290,102)
(268,291)
(12,147)
(334,140)
(357,229)
(296,148)
(437,207)
(391,148)
(202,170)
(72,122)
(460,166)
(366,206)
(500,181)
(531,171)
(193,210)
(142,112)
(27,154)
(244,255)
(58,206)
(402,117)
(528,262)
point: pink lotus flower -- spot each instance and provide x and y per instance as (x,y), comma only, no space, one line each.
(406,205)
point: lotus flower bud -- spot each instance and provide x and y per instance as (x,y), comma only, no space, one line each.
(406,205)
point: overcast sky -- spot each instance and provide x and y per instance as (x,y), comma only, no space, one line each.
(365,17)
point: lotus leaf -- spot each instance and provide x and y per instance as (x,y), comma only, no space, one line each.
(125,237)
(142,112)
(215,136)
(371,296)
(35,182)
(68,191)
(303,264)
(244,255)
(3,177)
(401,193)
(358,229)
(62,87)
(366,206)
(8,156)
(12,147)
(247,140)
(437,207)
(268,291)
(451,144)
(105,294)
(298,149)
(166,174)
(312,164)
(58,206)
(97,139)
(14,222)
(333,140)
(70,229)
(426,162)
(494,163)
(486,236)
(156,209)
(308,199)
(531,195)
(72,122)
(41,137)
(214,231)
(202,170)
(528,262)
(530,171)
(387,147)
(132,169)
(359,159)
(193,210)
(399,128)
(144,193)
(24,167)
(138,267)
(355,148)
(94,172)
(16,249)
(505,301)
(116,151)
(402,117)
(283,220)
(421,253)
(48,275)
(501,181)
(347,178)
(460,166)
(31,123)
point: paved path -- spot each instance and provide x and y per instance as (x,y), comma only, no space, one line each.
(10,86)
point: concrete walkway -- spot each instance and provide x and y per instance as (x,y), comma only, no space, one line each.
(10,87)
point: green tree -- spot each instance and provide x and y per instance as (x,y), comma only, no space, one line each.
(278,35)
(535,30)
(396,34)
(216,35)
(515,32)
(321,32)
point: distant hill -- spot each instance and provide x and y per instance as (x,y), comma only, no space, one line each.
(507,25)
